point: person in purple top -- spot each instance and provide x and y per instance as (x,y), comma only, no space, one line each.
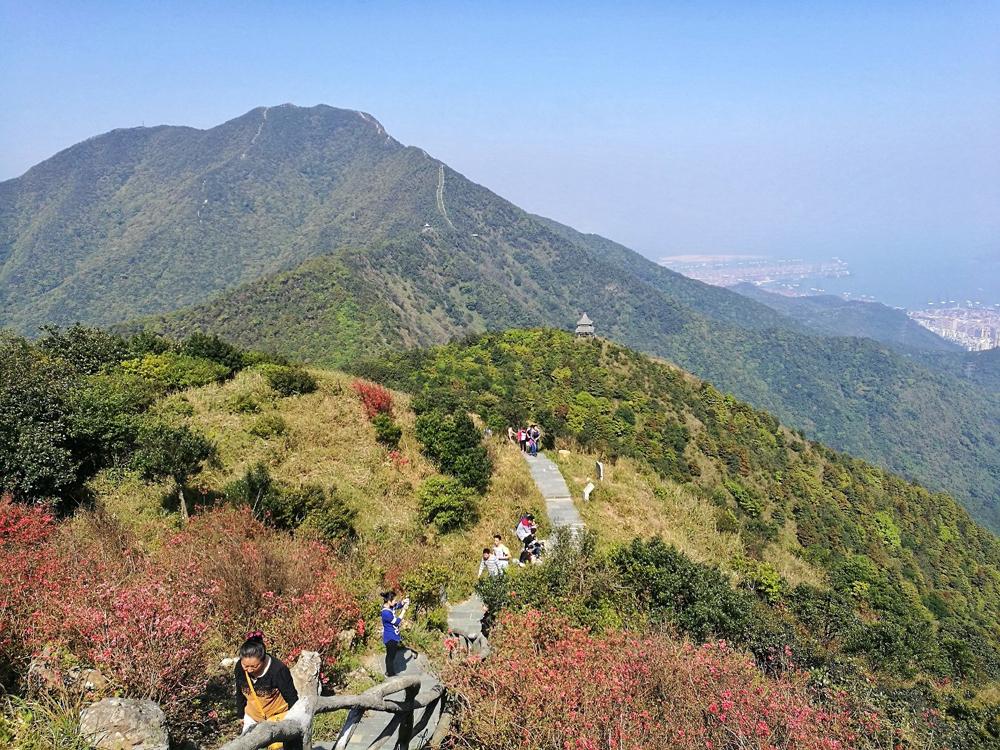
(393,611)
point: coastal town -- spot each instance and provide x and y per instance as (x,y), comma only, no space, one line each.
(972,326)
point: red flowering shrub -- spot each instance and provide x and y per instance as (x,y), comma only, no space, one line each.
(547,684)
(150,636)
(265,579)
(153,623)
(27,572)
(375,399)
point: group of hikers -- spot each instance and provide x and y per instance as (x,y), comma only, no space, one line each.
(528,438)
(497,558)
(264,687)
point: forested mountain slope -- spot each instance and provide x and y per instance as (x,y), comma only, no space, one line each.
(920,579)
(838,317)
(313,233)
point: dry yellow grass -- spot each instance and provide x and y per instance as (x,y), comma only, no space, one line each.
(633,501)
(329,441)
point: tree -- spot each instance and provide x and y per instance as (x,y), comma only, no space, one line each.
(36,456)
(166,451)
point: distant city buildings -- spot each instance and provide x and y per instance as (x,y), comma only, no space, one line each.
(728,270)
(975,328)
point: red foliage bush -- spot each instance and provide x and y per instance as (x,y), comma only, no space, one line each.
(266,580)
(153,623)
(27,572)
(548,684)
(375,399)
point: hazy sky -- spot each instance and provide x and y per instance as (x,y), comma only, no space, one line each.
(799,128)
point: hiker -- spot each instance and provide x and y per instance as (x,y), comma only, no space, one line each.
(532,447)
(522,439)
(532,552)
(264,688)
(526,528)
(490,564)
(501,552)
(511,435)
(535,436)
(393,611)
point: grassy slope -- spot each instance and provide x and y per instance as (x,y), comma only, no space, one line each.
(330,442)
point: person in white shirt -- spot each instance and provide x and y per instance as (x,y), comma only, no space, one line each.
(500,551)
(489,563)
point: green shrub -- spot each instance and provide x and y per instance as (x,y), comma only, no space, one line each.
(763,580)
(746,499)
(387,432)
(437,619)
(214,349)
(251,489)
(268,425)
(243,403)
(87,350)
(452,441)
(425,585)
(446,503)
(290,380)
(170,371)
(333,518)
(696,598)
(289,507)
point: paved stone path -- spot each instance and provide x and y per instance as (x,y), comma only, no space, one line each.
(375,730)
(378,730)
(558,501)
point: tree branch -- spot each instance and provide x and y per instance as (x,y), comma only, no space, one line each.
(300,725)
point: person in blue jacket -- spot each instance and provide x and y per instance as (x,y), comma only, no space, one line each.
(393,611)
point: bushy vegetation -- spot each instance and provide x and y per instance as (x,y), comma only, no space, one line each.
(646,587)
(288,380)
(451,440)
(77,401)
(547,678)
(446,503)
(90,589)
(286,507)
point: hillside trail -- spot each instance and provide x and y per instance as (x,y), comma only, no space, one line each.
(374,730)
(440,196)
(464,618)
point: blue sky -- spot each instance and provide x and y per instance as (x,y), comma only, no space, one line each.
(796,129)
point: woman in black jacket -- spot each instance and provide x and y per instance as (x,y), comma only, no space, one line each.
(264,687)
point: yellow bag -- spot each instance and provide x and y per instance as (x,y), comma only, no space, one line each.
(260,707)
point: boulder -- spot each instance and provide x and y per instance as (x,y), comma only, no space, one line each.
(125,724)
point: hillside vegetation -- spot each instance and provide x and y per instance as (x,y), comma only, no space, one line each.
(856,561)
(312,233)
(855,608)
(303,504)
(834,316)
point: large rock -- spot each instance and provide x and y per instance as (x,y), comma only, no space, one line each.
(125,724)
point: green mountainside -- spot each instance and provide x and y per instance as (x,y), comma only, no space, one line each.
(916,583)
(834,316)
(312,233)
(152,219)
